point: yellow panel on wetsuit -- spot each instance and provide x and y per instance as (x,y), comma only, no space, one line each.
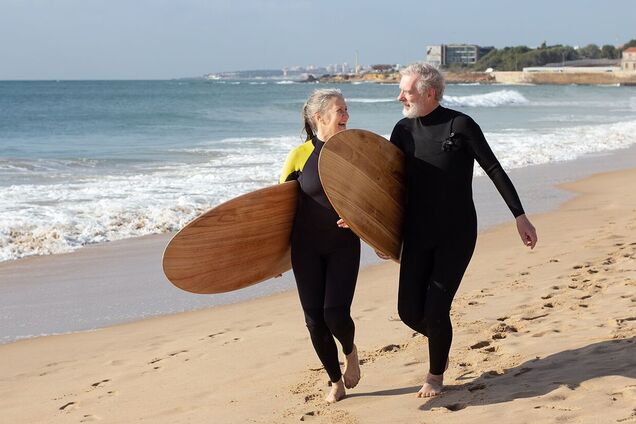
(295,161)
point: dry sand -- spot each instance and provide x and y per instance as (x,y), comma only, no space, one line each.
(541,336)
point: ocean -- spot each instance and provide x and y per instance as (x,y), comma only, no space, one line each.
(83,163)
(86,162)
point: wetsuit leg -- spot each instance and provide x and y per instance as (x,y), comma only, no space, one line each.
(416,268)
(429,279)
(325,287)
(341,276)
(309,272)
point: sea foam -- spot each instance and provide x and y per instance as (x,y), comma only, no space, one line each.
(494,99)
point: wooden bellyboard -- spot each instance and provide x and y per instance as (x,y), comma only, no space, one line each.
(363,176)
(239,243)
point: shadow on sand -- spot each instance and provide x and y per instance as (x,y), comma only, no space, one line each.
(389,392)
(541,376)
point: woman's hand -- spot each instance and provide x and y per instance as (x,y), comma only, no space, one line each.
(382,255)
(342,224)
(527,232)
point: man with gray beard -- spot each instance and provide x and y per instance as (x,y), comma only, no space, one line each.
(440,222)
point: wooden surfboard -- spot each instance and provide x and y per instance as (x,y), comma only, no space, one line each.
(363,176)
(239,243)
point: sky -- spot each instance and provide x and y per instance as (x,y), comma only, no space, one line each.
(162,39)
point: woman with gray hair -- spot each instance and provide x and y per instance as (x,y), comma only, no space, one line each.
(325,258)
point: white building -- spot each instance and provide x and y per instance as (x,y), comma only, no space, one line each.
(629,59)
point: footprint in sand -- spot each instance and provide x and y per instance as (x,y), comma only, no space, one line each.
(493,374)
(108,394)
(234,340)
(389,348)
(213,335)
(99,384)
(481,344)
(475,387)
(265,324)
(468,375)
(455,407)
(500,331)
(89,418)
(543,333)
(311,397)
(69,406)
(533,317)
(308,415)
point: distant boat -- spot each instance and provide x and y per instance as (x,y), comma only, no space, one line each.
(214,77)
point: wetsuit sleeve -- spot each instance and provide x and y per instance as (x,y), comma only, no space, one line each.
(396,137)
(295,162)
(471,133)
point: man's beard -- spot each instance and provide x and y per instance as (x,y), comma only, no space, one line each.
(412,112)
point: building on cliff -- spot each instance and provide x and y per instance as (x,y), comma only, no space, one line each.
(628,63)
(449,54)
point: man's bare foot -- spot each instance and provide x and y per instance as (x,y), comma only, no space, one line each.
(351,374)
(337,392)
(432,387)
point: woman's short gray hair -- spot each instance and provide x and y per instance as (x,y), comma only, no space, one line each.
(430,77)
(317,103)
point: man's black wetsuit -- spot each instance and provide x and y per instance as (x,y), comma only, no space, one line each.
(440,228)
(325,259)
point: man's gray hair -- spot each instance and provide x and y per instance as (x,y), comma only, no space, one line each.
(430,77)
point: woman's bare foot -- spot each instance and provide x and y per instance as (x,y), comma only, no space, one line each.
(351,374)
(432,387)
(337,392)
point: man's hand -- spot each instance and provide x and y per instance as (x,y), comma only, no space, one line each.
(342,224)
(527,231)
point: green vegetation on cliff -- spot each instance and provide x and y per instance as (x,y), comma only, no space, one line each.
(516,58)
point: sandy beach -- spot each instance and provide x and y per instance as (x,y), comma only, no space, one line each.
(540,336)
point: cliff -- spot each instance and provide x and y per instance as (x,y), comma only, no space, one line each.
(566,78)
(559,78)
(394,78)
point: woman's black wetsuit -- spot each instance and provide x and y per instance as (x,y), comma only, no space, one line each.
(325,259)
(440,228)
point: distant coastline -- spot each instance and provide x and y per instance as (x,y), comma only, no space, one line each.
(571,76)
